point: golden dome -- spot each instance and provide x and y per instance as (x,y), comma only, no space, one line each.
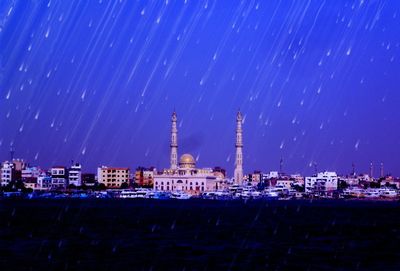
(187,160)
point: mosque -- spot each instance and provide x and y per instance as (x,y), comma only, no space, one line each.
(185,177)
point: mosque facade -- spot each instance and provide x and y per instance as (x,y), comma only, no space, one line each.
(184,176)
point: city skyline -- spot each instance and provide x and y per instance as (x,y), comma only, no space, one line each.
(238,163)
(96,83)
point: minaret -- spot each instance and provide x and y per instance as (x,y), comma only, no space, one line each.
(239,150)
(174,142)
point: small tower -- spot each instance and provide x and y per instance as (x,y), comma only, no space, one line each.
(238,174)
(382,172)
(174,142)
(371,171)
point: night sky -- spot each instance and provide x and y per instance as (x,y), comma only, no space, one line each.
(96,82)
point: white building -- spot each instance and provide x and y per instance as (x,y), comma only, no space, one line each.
(44,182)
(30,172)
(273,175)
(286,183)
(323,182)
(185,177)
(6,173)
(351,180)
(298,179)
(75,175)
(29,176)
(58,178)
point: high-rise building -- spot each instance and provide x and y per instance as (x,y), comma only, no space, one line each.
(6,173)
(11,171)
(238,174)
(112,177)
(75,174)
(323,182)
(58,177)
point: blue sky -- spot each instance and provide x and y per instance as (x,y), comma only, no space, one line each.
(97,81)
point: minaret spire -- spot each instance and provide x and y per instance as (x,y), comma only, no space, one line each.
(238,174)
(174,142)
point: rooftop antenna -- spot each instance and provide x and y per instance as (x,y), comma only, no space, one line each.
(382,170)
(281,165)
(371,170)
(12,151)
(354,169)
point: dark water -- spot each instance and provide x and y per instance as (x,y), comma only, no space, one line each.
(198,235)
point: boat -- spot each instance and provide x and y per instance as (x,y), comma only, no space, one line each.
(159,195)
(270,194)
(133,194)
(180,195)
(388,193)
(371,194)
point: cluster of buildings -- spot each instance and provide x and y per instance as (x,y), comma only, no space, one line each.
(16,172)
(182,176)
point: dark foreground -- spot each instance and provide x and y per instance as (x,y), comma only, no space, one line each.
(198,235)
